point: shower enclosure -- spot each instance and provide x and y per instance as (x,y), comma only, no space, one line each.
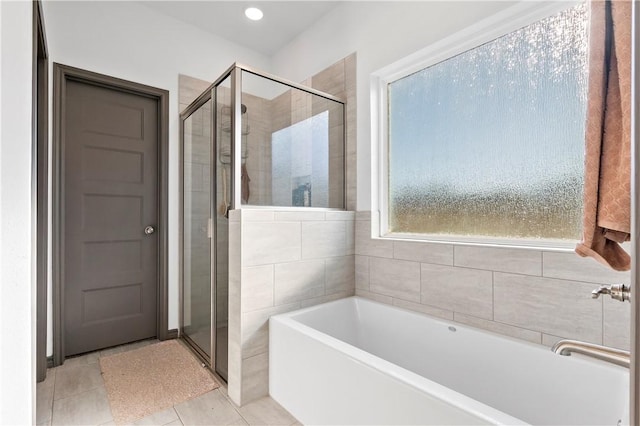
(251,140)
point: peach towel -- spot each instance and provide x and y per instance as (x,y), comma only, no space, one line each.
(607,196)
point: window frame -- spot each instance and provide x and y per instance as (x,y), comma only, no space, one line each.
(502,23)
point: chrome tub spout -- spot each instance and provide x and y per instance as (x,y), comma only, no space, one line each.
(615,356)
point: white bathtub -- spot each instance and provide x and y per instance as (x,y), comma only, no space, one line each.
(354,361)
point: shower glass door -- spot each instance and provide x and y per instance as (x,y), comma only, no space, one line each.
(197,230)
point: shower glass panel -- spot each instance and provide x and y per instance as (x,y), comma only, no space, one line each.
(222,94)
(292,146)
(249,140)
(197,192)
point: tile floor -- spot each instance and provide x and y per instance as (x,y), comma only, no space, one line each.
(74,394)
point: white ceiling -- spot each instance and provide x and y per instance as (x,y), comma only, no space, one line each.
(282,22)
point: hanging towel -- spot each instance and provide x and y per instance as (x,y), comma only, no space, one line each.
(244,181)
(607,196)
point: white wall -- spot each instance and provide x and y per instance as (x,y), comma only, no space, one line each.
(17,278)
(131,41)
(381,33)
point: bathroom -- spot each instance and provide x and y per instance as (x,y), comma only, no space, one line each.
(275,260)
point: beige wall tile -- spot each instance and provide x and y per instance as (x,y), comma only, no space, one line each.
(337,215)
(255,329)
(340,275)
(423,252)
(363,215)
(463,290)
(496,327)
(257,288)
(374,296)
(323,239)
(362,272)
(570,266)
(424,309)
(255,378)
(396,278)
(350,229)
(617,324)
(367,246)
(558,307)
(520,260)
(299,216)
(324,299)
(258,215)
(549,340)
(270,242)
(298,281)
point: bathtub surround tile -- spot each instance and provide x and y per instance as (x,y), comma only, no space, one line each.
(549,340)
(363,215)
(570,266)
(463,290)
(350,229)
(617,324)
(257,288)
(374,296)
(340,215)
(255,378)
(367,246)
(257,215)
(551,306)
(270,243)
(396,278)
(324,299)
(299,216)
(299,280)
(496,327)
(423,252)
(323,239)
(255,329)
(520,261)
(424,309)
(362,272)
(339,275)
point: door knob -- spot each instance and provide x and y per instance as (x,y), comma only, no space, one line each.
(149,230)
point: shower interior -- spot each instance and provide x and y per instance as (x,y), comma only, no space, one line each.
(291,155)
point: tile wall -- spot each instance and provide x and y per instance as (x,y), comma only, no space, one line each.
(280,261)
(535,295)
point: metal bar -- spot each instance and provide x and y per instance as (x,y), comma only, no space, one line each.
(290,83)
(634,374)
(236,138)
(206,94)
(604,353)
(214,227)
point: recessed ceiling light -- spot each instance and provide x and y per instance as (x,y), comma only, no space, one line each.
(253,13)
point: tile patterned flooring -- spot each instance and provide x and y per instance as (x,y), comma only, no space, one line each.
(74,394)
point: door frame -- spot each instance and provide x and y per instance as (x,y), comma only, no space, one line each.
(61,75)
(40,165)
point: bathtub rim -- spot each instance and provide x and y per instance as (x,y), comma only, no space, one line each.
(400,374)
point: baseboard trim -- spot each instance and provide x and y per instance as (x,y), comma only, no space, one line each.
(172,334)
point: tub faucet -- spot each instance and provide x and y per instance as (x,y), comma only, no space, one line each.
(619,292)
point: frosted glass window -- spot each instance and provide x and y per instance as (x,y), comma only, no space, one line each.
(491,142)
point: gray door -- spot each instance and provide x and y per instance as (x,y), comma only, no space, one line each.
(110,197)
